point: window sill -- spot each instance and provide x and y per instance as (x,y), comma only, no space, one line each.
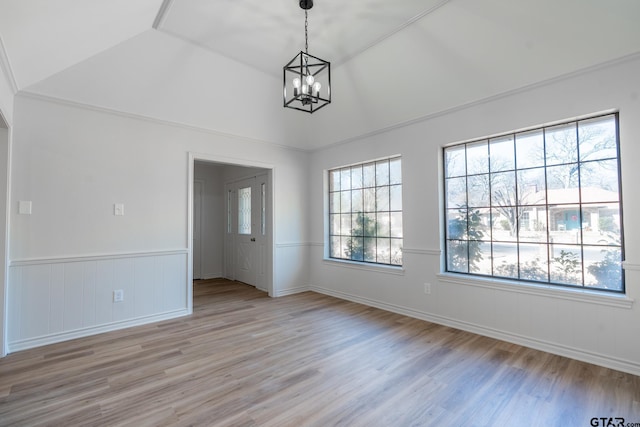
(580,295)
(377,268)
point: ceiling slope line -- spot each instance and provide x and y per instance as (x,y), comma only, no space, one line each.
(137,116)
(163,11)
(470,104)
(392,32)
(5,64)
(194,43)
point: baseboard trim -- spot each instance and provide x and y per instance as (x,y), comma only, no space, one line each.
(291,291)
(94,330)
(560,350)
(211,276)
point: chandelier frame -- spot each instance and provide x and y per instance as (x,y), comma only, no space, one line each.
(306,74)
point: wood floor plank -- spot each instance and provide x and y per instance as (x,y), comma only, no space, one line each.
(244,359)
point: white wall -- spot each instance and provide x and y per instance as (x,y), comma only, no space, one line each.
(73,164)
(212,218)
(599,330)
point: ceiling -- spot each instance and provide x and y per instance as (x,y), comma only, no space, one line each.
(197,62)
(266,35)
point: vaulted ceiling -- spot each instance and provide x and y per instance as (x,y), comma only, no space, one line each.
(217,64)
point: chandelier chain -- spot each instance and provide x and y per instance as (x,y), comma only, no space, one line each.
(306,36)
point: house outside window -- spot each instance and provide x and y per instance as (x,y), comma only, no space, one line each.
(542,205)
(365,212)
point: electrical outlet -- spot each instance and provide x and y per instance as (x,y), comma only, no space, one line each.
(427,288)
(24,207)
(118,295)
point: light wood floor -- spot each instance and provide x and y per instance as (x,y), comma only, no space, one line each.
(243,359)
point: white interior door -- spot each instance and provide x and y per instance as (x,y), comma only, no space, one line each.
(245,231)
(246,251)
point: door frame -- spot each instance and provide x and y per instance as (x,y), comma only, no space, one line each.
(232,161)
(199,216)
(4,241)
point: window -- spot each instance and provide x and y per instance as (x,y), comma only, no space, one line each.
(244,210)
(542,205)
(365,212)
(263,209)
(229,203)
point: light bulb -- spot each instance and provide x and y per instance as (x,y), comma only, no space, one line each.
(305,89)
(310,79)
(316,88)
(296,83)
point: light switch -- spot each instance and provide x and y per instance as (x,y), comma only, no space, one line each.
(118,209)
(24,207)
(118,295)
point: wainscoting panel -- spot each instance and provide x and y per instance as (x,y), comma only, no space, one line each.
(52,300)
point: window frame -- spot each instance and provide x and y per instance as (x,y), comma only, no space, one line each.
(394,213)
(547,205)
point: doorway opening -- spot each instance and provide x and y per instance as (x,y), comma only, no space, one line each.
(230,222)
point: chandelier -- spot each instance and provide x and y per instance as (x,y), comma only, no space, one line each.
(306,78)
